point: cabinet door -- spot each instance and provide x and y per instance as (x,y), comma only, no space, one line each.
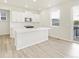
(35,18)
(17,16)
(20,17)
(28,14)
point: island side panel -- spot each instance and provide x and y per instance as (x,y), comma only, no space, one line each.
(27,39)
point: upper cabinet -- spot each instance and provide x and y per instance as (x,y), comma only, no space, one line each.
(19,16)
(35,17)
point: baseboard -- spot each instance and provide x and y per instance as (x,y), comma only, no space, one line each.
(72,41)
(5,35)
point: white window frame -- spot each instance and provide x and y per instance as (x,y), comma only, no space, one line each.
(76,13)
(55,13)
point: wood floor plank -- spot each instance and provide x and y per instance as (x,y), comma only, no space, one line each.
(41,54)
(49,50)
(53,48)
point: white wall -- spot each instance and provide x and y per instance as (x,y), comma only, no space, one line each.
(44,18)
(66,24)
(65,30)
(22,24)
(4,28)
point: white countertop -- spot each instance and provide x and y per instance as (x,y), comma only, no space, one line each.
(23,29)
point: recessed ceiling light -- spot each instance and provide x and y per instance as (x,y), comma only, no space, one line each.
(26,6)
(39,9)
(5,1)
(34,0)
(49,5)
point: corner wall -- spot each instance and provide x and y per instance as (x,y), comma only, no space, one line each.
(65,30)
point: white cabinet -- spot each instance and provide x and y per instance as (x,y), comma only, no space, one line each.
(35,17)
(17,16)
(27,14)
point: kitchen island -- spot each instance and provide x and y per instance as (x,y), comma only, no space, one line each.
(27,37)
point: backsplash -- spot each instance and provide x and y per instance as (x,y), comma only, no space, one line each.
(22,24)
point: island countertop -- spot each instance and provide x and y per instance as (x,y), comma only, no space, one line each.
(21,30)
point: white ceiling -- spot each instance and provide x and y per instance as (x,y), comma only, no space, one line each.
(30,4)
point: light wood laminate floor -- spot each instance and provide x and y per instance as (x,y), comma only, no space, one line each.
(52,48)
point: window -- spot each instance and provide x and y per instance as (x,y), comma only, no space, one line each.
(3,15)
(55,16)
